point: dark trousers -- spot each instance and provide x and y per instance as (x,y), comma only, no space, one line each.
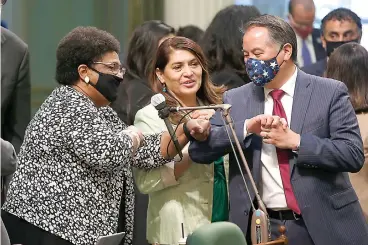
(22,232)
(296,231)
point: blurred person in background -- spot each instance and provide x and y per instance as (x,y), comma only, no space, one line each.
(301,18)
(75,161)
(190,31)
(337,27)
(15,91)
(181,193)
(135,93)
(221,42)
(349,64)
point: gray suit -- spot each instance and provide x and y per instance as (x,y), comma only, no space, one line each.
(330,146)
(15,88)
(9,163)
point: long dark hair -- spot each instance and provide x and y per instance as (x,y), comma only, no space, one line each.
(143,45)
(222,40)
(208,93)
(349,64)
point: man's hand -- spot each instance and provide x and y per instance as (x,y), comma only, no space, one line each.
(203,114)
(283,138)
(199,128)
(255,124)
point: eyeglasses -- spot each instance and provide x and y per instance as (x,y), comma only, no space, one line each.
(115,68)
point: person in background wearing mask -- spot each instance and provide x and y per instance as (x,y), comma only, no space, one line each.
(76,158)
(301,18)
(300,136)
(338,27)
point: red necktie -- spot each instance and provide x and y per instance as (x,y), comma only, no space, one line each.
(283,155)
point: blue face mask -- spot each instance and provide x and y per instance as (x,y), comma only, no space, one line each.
(262,72)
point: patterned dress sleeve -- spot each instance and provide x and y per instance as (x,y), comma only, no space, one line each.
(96,142)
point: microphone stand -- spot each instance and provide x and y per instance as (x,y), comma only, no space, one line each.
(260,225)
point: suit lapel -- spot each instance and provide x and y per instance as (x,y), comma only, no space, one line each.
(257,100)
(301,100)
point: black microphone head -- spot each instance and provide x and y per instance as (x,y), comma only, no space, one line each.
(158,101)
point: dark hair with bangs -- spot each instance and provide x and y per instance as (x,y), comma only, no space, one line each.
(208,93)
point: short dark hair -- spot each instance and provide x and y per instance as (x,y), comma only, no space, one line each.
(279,30)
(190,31)
(349,64)
(222,40)
(143,46)
(341,14)
(83,45)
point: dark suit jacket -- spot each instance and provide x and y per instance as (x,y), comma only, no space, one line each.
(317,69)
(330,147)
(15,88)
(9,163)
(317,44)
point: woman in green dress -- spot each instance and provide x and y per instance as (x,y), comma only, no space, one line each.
(182,195)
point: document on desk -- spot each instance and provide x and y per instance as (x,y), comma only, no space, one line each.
(113,239)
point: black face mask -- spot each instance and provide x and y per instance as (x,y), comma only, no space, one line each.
(331,46)
(107,85)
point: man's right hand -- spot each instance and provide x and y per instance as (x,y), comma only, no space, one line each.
(262,122)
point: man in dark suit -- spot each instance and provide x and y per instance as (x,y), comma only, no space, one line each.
(301,18)
(15,88)
(338,27)
(301,169)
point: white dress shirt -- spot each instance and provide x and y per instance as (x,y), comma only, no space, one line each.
(310,46)
(272,191)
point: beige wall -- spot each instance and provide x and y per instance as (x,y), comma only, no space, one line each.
(196,12)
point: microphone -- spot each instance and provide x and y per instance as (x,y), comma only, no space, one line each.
(159,102)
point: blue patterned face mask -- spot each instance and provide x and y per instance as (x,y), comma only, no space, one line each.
(262,72)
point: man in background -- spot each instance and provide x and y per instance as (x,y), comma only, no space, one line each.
(301,18)
(15,88)
(15,93)
(338,27)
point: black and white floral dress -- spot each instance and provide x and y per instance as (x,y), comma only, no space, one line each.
(74,168)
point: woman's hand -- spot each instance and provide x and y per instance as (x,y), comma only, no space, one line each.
(203,114)
(136,135)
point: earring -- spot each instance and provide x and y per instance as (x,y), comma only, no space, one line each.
(164,88)
(86,79)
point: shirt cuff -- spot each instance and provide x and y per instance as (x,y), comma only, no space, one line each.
(246,134)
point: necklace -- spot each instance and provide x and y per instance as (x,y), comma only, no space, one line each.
(81,90)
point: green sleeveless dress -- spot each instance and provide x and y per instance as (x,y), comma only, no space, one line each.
(220,206)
